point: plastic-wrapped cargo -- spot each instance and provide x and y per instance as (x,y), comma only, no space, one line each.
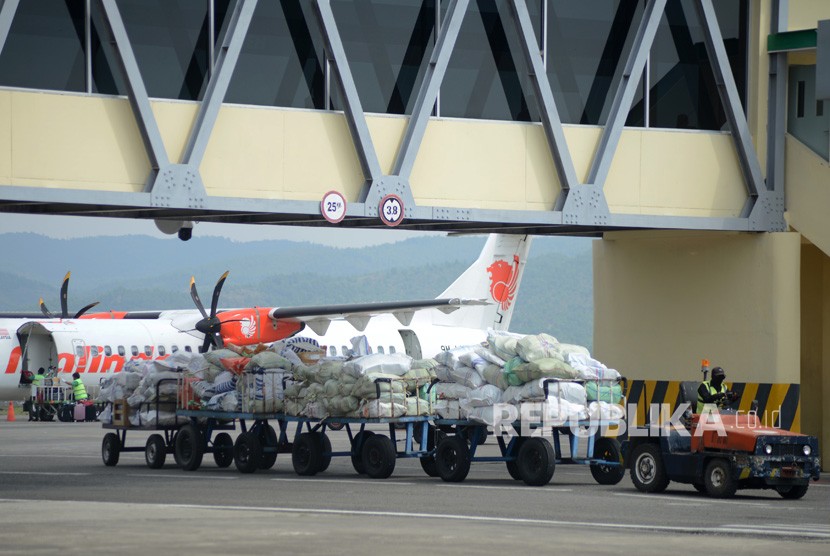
(392,364)
(589,368)
(503,343)
(450,391)
(604,410)
(483,396)
(535,391)
(447,408)
(375,409)
(539,346)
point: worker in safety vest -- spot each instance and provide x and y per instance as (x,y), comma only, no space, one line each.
(37,394)
(78,388)
(714,391)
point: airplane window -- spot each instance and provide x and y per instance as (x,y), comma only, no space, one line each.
(162,350)
(188,349)
(107,351)
(332,350)
(343,350)
(134,350)
(148,351)
(392,349)
(174,348)
(380,349)
(93,351)
(121,351)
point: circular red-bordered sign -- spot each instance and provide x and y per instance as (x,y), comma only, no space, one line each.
(391,210)
(333,207)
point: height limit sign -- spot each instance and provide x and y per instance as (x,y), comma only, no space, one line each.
(333,207)
(391,210)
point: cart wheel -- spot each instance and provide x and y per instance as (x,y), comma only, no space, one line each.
(719,480)
(336,426)
(110,449)
(325,460)
(190,447)
(247,452)
(607,449)
(792,492)
(647,471)
(379,456)
(434,437)
(155,451)
(512,466)
(536,461)
(45,414)
(223,450)
(357,450)
(452,459)
(66,414)
(307,454)
(267,438)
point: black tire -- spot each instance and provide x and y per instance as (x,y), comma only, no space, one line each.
(452,459)
(190,448)
(247,452)
(700,487)
(512,466)
(110,449)
(325,458)
(307,454)
(647,470)
(357,450)
(792,492)
(66,414)
(155,451)
(607,449)
(719,480)
(223,450)
(45,415)
(267,438)
(434,436)
(536,461)
(379,456)
(336,426)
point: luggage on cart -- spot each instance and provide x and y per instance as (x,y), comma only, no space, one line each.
(80,412)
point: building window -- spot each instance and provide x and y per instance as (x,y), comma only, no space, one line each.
(45,46)
(799,106)
(819,108)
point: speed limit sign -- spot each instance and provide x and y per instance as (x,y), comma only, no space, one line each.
(391,210)
(333,207)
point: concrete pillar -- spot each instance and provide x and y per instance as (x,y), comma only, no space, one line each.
(664,300)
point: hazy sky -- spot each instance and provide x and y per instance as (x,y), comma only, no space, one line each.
(65,227)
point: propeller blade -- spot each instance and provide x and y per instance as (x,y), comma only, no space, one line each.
(218,342)
(206,344)
(65,296)
(214,303)
(195,295)
(85,309)
(44,310)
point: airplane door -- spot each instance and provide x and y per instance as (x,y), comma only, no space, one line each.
(79,347)
(411,343)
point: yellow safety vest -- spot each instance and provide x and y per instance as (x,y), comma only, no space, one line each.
(79,390)
(712,392)
(37,382)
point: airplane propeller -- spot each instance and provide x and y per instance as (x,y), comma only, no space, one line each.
(210,325)
(65,303)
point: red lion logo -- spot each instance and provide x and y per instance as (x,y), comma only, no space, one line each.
(503,279)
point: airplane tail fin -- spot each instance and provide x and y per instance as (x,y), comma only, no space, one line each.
(495,277)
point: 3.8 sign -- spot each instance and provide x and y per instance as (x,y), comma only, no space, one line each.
(391,210)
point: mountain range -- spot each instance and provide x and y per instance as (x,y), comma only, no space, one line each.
(145,273)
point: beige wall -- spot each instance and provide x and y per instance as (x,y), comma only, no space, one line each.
(665,300)
(815,344)
(254,152)
(808,196)
(805,14)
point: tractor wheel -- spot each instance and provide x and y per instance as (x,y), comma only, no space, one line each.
(607,449)
(719,480)
(247,452)
(190,447)
(452,459)
(647,470)
(357,450)
(223,450)
(792,492)
(110,449)
(155,451)
(379,456)
(536,461)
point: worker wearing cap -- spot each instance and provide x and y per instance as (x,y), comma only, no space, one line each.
(712,391)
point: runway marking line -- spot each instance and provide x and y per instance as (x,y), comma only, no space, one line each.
(182,476)
(739,530)
(43,473)
(358,482)
(654,498)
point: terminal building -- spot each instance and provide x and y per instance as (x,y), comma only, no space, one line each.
(690,137)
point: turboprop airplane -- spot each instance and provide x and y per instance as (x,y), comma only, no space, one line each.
(100,344)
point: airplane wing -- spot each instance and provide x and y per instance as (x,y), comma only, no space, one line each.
(319,317)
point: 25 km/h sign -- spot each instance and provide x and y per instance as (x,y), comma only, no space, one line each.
(391,210)
(333,207)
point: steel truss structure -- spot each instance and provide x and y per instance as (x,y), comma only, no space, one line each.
(174,189)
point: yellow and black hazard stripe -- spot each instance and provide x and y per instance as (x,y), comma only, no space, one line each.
(779,405)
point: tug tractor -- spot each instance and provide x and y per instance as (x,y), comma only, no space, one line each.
(722,452)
